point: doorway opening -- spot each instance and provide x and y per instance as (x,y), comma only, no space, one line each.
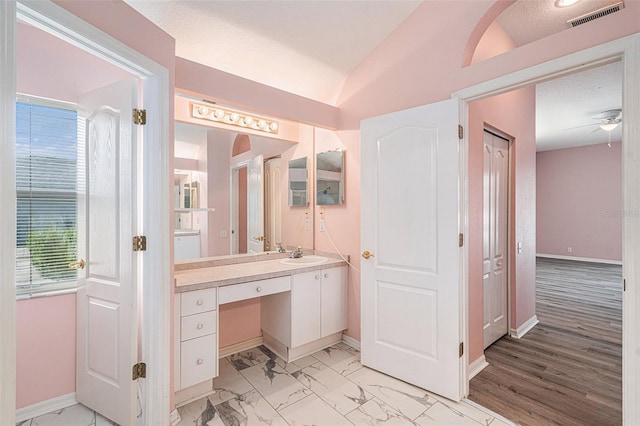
(574,174)
(67,31)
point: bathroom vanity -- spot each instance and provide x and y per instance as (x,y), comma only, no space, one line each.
(304,309)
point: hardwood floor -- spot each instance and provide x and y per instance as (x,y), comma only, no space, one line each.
(568,369)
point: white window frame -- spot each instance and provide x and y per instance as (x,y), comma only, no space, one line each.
(67,286)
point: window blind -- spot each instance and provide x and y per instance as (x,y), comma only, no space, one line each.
(47,183)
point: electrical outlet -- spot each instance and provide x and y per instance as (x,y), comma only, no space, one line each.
(306,224)
(569,249)
(322,229)
(223,233)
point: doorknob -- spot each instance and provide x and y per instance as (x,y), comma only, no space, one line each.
(499,263)
(366,254)
(260,238)
(77,265)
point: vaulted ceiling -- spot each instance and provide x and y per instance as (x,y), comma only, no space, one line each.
(309,47)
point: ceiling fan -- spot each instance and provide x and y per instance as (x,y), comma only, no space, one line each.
(607,121)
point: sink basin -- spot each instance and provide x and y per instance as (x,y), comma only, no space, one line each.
(304,260)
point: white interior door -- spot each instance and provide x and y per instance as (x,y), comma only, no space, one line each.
(410,285)
(255,205)
(495,231)
(106,299)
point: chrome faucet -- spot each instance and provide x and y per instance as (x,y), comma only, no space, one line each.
(296,253)
(279,248)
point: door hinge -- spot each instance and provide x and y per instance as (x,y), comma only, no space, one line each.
(139,371)
(139,243)
(140,116)
(624,285)
(460,131)
(460,240)
(461,349)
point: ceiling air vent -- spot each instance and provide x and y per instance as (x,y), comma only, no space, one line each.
(595,15)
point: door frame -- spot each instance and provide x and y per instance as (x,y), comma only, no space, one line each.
(154,265)
(626,49)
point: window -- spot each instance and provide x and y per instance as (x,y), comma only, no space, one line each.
(47,153)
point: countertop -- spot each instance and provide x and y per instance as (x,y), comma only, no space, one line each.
(216,276)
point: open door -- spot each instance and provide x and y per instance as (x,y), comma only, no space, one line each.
(255,205)
(107,307)
(410,289)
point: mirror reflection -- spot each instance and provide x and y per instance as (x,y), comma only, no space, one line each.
(298,182)
(329,178)
(230,194)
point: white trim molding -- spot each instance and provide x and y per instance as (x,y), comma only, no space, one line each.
(579,259)
(7,213)
(626,49)
(239,347)
(45,407)
(524,328)
(477,366)
(350,341)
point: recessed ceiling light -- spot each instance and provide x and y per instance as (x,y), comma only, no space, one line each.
(565,3)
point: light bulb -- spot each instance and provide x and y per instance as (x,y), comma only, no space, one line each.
(203,110)
(234,117)
(218,113)
(262,124)
(273,126)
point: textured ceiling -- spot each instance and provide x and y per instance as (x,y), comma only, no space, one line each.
(304,47)
(568,109)
(309,47)
(529,20)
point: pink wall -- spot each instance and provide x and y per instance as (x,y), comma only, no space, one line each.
(46,348)
(229,89)
(512,113)
(579,202)
(239,321)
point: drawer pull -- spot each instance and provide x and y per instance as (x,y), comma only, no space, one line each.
(259,289)
(199,302)
(326,275)
(199,326)
(200,361)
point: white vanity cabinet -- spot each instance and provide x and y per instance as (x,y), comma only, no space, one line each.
(310,317)
(196,337)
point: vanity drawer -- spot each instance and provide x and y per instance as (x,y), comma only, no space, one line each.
(193,302)
(198,361)
(198,325)
(233,293)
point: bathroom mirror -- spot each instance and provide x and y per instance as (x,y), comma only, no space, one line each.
(329,178)
(216,160)
(298,182)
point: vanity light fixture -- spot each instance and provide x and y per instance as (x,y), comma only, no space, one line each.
(234,118)
(565,3)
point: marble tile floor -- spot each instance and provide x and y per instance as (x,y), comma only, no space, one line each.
(330,388)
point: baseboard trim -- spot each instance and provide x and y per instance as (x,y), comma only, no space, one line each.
(477,366)
(174,418)
(239,347)
(348,340)
(579,259)
(44,407)
(524,328)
